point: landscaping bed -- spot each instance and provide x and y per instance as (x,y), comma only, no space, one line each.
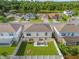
(69,50)
(71,57)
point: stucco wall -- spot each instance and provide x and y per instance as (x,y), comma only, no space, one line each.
(40,34)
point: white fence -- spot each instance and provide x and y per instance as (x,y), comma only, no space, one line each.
(33,57)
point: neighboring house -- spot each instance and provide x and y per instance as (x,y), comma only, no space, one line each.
(9,33)
(29,16)
(37,32)
(67,33)
(18,16)
(68,12)
(56,28)
(55,16)
(74,20)
(40,16)
(45,18)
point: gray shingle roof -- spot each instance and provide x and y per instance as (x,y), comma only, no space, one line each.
(38,28)
(67,27)
(6,27)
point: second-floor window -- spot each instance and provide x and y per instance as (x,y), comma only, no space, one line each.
(1,34)
(46,34)
(10,34)
(72,34)
(63,34)
(37,34)
(28,34)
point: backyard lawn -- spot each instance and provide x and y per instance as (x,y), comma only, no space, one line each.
(50,20)
(36,21)
(50,50)
(7,50)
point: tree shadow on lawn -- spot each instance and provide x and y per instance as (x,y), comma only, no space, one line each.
(21,49)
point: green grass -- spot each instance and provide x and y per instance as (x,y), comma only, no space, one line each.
(50,20)
(7,50)
(50,50)
(64,18)
(69,50)
(49,11)
(21,20)
(36,21)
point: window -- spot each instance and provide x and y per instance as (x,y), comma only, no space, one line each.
(28,34)
(37,34)
(46,34)
(11,34)
(63,34)
(1,34)
(68,34)
(72,34)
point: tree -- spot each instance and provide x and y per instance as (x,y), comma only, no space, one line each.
(74,51)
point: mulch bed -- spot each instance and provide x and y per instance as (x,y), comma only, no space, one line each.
(71,57)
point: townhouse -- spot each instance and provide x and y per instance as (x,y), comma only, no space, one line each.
(9,33)
(68,34)
(37,32)
(68,12)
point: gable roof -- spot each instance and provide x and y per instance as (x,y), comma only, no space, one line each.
(38,28)
(70,28)
(7,27)
(15,26)
(58,26)
(67,28)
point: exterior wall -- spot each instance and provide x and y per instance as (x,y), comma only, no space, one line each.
(40,34)
(68,13)
(15,35)
(34,35)
(36,39)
